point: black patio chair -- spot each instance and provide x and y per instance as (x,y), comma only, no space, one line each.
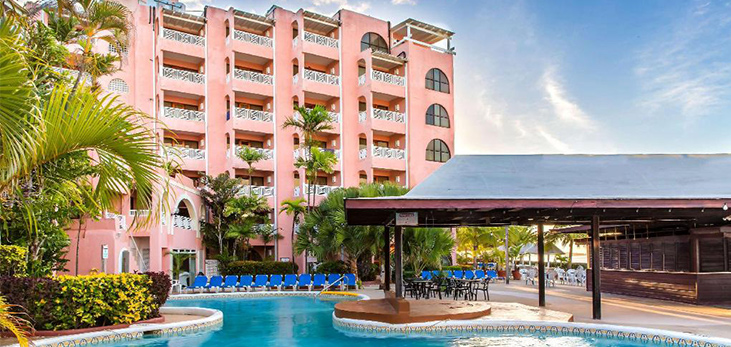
(435,288)
(482,286)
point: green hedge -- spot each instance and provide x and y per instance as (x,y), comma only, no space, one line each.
(75,302)
(258,268)
(12,260)
(333,267)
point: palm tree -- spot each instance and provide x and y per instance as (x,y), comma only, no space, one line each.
(475,238)
(309,123)
(245,213)
(250,156)
(38,129)
(317,161)
(565,239)
(425,247)
(10,321)
(216,192)
(268,234)
(96,20)
(295,209)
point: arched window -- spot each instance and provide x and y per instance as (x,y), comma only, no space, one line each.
(437,115)
(437,80)
(375,41)
(118,85)
(437,151)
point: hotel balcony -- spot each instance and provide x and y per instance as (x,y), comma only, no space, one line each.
(266,164)
(381,73)
(320,36)
(300,152)
(192,159)
(251,82)
(253,120)
(183,222)
(335,119)
(252,34)
(183,33)
(182,80)
(321,84)
(320,190)
(384,157)
(384,120)
(180,119)
(265,191)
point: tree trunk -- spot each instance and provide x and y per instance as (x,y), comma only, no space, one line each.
(294,222)
(78,79)
(474,256)
(78,240)
(571,253)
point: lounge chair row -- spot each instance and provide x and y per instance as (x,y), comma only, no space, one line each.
(271,282)
(468,274)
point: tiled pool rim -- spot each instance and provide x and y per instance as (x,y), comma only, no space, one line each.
(213,319)
(454,327)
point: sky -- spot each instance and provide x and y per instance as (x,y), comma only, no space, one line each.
(651,76)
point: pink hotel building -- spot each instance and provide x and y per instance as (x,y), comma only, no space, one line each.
(227,79)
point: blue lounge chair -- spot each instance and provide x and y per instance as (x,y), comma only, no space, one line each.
(199,283)
(230,281)
(334,280)
(350,281)
(290,280)
(448,274)
(479,274)
(458,274)
(469,274)
(275,281)
(305,281)
(319,281)
(426,275)
(216,282)
(491,274)
(436,273)
(260,281)
(245,282)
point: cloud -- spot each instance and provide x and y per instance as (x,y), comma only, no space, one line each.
(687,70)
(553,141)
(359,6)
(404,2)
(565,109)
(196,5)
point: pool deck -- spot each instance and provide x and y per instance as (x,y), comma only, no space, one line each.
(616,309)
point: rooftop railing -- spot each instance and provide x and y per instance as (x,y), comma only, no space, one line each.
(253,38)
(181,113)
(183,75)
(179,36)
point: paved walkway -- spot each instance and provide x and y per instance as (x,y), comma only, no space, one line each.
(616,309)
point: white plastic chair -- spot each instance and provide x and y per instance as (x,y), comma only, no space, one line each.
(531,276)
(551,277)
(571,276)
(561,273)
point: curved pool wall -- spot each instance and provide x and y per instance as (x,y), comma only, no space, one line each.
(457,328)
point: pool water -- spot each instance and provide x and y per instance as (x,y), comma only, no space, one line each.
(303,321)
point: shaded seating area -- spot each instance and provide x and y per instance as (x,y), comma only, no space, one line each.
(669,199)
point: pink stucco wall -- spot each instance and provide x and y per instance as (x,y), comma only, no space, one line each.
(213,87)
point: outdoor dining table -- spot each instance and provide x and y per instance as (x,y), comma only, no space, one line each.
(420,285)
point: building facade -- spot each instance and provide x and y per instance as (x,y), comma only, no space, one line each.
(226,79)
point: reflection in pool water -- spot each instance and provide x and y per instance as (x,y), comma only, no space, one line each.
(304,321)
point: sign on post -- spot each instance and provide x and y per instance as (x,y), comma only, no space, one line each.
(407,219)
(105,252)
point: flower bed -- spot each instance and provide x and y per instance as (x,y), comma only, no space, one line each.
(79,302)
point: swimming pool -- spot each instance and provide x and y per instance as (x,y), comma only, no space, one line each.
(304,321)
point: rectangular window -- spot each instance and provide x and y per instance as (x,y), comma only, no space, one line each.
(321,181)
(256,181)
(380,143)
(362,143)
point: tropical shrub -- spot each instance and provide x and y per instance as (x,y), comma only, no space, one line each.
(159,289)
(258,268)
(333,267)
(12,260)
(75,302)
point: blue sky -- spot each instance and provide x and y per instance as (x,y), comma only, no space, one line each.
(575,76)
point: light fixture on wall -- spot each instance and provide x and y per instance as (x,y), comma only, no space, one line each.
(333,143)
(269,142)
(269,179)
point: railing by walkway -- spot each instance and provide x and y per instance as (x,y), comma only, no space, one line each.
(320,39)
(183,75)
(253,38)
(183,37)
(181,113)
(255,115)
(253,76)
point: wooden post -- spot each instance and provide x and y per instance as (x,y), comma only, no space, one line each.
(387,259)
(398,266)
(541,269)
(507,256)
(596,283)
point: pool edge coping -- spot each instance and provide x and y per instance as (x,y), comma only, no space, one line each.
(618,332)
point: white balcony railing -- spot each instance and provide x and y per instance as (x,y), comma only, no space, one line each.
(295,41)
(183,75)
(391,153)
(253,76)
(320,39)
(180,36)
(363,153)
(140,213)
(182,222)
(362,116)
(361,79)
(257,190)
(334,116)
(298,152)
(297,191)
(188,153)
(321,77)
(255,115)
(181,113)
(267,152)
(253,38)
(295,78)
(320,190)
(387,78)
(392,116)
